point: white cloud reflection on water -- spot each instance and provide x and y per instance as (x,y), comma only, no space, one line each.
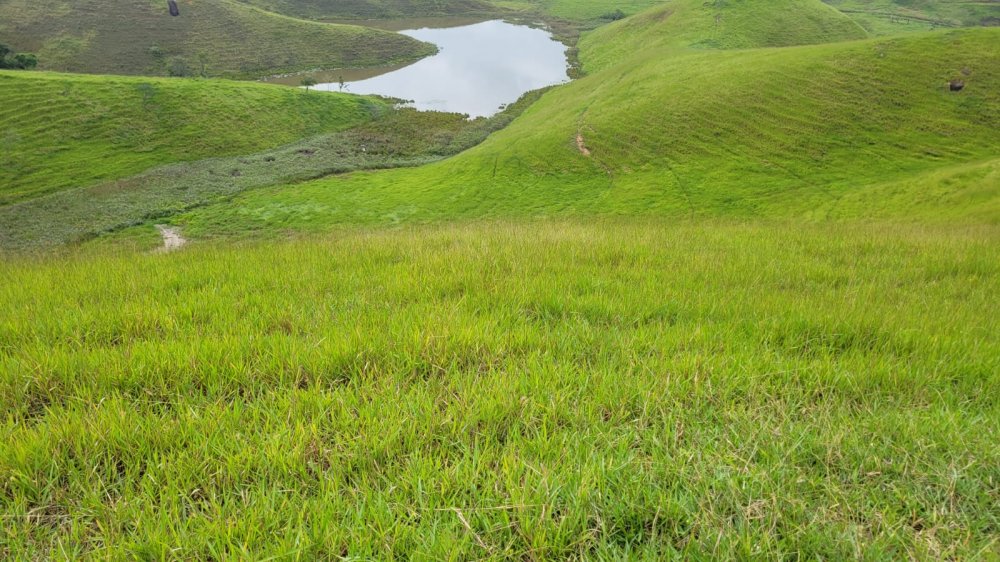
(479,68)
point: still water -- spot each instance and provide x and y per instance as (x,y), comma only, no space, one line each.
(478,69)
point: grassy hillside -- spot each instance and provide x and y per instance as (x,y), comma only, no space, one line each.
(579,9)
(729,297)
(395,138)
(60,131)
(800,131)
(886,17)
(218,38)
(375,9)
(734,24)
(540,391)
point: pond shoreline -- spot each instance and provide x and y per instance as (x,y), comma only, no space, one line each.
(478,69)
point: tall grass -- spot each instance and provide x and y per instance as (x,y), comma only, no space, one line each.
(509,391)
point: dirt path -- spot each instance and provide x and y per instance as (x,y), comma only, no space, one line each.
(172,239)
(582,145)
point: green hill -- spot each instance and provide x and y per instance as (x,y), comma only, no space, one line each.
(887,17)
(218,38)
(730,24)
(731,296)
(375,9)
(794,131)
(63,130)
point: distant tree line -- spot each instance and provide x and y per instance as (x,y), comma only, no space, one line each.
(20,61)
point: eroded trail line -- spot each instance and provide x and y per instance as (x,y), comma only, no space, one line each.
(172,239)
(582,145)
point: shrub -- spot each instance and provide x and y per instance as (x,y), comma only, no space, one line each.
(20,61)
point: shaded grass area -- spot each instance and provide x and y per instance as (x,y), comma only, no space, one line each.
(219,38)
(60,131)
(811,132)
(397,138)
(540,390)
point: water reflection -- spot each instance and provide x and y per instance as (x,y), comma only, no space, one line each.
(479,68)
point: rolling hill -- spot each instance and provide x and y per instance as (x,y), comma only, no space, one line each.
(796,131)
(219,38)
(886,17)
(575,10)
(731,296)
(68,130)
(375,9)
(736,24)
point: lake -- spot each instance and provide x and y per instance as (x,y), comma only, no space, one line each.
(479,68)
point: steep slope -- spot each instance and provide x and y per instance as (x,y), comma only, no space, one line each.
(719,24)
(775,132)
(62,130)
(218,38)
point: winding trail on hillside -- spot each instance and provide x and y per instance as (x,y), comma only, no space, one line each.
(581,145)
(172,239)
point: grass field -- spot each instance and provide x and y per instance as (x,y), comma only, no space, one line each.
(730,296)
(375,9)
(219,38)
(575,10)
(509,391)
(60,131)
(682,25)
(393,138)
(887,17)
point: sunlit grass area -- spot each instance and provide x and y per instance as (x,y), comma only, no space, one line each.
(539,390)
(729,296)
(60,131)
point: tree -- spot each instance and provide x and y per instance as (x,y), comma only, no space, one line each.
(308,82)
(25,61)
(20,61)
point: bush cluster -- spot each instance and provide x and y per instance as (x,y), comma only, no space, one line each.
(21,61)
